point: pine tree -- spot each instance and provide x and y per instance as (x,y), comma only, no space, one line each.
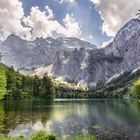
(11,82)
(36,86)
(47,88)
(3,82)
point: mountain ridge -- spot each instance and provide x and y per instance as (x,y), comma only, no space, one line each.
(71,59)
(36,53)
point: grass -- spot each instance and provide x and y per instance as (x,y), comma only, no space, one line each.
(41,135)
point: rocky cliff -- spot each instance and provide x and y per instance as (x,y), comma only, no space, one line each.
(40,52)
(123,54)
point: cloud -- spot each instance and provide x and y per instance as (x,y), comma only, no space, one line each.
(36,24)
(62,1)
(72,26)
(43,24)
(11,14)
(95,1)
(115,13)
(90,37)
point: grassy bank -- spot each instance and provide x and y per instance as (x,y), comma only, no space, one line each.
(43,136)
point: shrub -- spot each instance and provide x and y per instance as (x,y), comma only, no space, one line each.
(41,135)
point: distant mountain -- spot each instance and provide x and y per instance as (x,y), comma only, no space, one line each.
(75,43)
(76,60)
(40,52)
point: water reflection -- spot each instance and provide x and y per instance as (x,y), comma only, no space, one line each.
(108,119)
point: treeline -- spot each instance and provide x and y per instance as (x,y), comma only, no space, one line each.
(14,85)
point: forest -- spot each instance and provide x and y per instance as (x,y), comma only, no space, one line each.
(14,85)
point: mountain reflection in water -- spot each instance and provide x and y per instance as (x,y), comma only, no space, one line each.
(106,119)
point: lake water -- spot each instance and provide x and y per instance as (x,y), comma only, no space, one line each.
(106,119)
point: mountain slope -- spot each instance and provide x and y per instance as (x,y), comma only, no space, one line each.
(73,59)
(101,64)
(122,85)
(121,55)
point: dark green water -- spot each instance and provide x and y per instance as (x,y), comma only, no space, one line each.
(107,119)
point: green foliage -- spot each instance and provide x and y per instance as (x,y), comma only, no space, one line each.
(36,86)
(3,137)
(47,88)
(3,82)
(41,135)
(118,88)
(137,88)
(14,85)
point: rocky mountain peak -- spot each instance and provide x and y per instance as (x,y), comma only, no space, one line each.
(72,41)
(40,52)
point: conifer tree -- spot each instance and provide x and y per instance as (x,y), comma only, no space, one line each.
(3,82)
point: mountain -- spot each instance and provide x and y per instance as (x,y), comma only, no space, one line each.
(76,60)
(127,45)
(40,52)
(101,64)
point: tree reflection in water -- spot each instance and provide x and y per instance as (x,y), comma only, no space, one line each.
(104,118)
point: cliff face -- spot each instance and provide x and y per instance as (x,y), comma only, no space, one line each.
(127,45)
(40,52)
(24,54)
(70,66)
(123,54)
(74,59)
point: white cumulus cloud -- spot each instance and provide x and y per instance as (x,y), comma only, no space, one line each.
(37,24)
(72,26)
(11,14)
(115,13)
(43,24)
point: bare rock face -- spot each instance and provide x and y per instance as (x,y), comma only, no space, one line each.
(127,45)
(24,54)
(70,66)
(40,52)
(123,54)
(77,60)
(102,66)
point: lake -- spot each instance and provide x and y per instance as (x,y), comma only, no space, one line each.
(106,119)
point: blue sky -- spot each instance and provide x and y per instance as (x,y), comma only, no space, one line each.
(84,11)
(96,21)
